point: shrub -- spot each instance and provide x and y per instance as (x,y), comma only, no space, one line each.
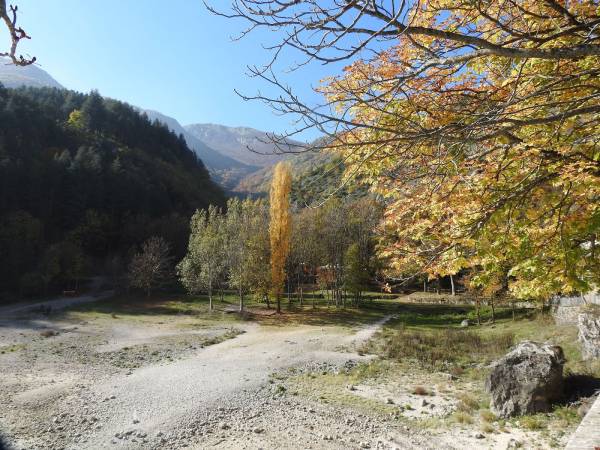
(467,403)
(462,417)
(487,427)
(487,416)
(420,390)
(533,422)
(433,350)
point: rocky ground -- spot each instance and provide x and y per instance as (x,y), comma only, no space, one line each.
(92,382)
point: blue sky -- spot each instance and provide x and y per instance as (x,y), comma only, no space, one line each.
(172,56)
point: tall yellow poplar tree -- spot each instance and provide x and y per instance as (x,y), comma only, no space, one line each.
(280,228)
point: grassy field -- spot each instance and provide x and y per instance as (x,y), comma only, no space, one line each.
(424,351)
(161,307)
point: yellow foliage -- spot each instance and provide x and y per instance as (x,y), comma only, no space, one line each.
(280,229)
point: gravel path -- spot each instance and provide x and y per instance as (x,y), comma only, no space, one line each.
(83,399)
(160,397)
(58,303)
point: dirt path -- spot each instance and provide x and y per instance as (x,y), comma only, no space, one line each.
(160,397)
(58,303)
(171,403)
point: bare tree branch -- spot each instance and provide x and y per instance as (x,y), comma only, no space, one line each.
(9,17)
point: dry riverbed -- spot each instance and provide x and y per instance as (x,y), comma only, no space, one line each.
(82,380)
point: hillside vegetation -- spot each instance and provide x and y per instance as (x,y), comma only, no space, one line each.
(84,180)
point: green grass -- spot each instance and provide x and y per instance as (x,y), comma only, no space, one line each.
(423,340)
(11,348)
(196,308)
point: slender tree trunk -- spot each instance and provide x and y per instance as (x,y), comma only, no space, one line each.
(299,290)
(268,301)
(210,302)
(477,307)
(241,299)
(425,286)
(278,303)
(452,285)
(493,310)
(512,303)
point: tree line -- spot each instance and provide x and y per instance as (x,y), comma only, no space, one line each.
(266,249)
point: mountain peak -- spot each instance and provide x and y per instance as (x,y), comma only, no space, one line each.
(12,76)
(244,144)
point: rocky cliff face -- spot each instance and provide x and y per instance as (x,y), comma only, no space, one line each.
(246,145)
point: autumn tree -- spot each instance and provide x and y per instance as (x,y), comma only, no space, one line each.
(280,227)
(204,262)
(476,120)
(9,17)
(151,267)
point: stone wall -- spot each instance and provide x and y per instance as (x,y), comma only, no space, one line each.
(566,309)
(587,435)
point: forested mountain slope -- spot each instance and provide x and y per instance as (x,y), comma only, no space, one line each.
(84,180)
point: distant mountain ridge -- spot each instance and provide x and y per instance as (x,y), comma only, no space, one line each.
(244,144)
(224,150)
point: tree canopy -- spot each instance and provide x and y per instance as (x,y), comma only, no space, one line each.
(476,120)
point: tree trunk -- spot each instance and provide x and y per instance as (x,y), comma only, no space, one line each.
(477,307)
(299,290)
(241,299)
(452,285)
(425,286)
(512,303)
(493,310)
(268,301)
(278,303)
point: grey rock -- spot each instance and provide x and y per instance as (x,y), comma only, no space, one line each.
(465,323)
(589,334)
(513,443)
(526,380)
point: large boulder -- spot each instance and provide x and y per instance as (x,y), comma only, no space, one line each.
(589,334)
(526,380)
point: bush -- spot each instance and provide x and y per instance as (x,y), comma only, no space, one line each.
(437,349)
(420,390)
